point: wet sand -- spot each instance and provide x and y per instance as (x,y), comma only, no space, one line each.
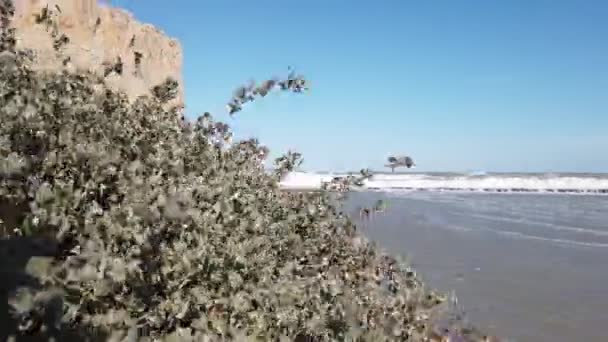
(525,267)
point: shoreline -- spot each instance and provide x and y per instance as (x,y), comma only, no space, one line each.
(519,288)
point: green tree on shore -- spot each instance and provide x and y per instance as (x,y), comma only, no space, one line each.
(399,161)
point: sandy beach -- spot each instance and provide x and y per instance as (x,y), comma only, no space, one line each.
(527,267)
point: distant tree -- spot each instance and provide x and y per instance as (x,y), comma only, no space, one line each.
(400,161)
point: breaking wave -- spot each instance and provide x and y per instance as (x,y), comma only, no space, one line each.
(475,182)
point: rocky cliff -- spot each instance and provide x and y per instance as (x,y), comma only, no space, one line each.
(99,33)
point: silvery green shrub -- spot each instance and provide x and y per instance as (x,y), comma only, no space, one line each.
(167,230)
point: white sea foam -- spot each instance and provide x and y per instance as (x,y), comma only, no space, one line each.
(553,183)
(303,180)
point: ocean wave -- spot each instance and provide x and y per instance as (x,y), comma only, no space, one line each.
(524,236)
(505,183)
(549,225)
(564,242)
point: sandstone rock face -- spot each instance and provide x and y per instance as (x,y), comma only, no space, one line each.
(99,33)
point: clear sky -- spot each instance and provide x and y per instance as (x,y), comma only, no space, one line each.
(512,85)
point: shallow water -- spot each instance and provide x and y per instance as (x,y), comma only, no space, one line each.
(524,266)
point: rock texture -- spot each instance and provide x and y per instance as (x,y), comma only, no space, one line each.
(99,33)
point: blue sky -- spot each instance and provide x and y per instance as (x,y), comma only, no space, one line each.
(518,85)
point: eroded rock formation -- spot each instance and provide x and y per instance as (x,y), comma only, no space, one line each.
(99,33)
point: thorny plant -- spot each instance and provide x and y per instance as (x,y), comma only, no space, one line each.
(169,231)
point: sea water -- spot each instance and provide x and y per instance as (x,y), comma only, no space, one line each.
(528,265)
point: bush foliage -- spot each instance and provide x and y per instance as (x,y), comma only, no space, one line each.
(166,230)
